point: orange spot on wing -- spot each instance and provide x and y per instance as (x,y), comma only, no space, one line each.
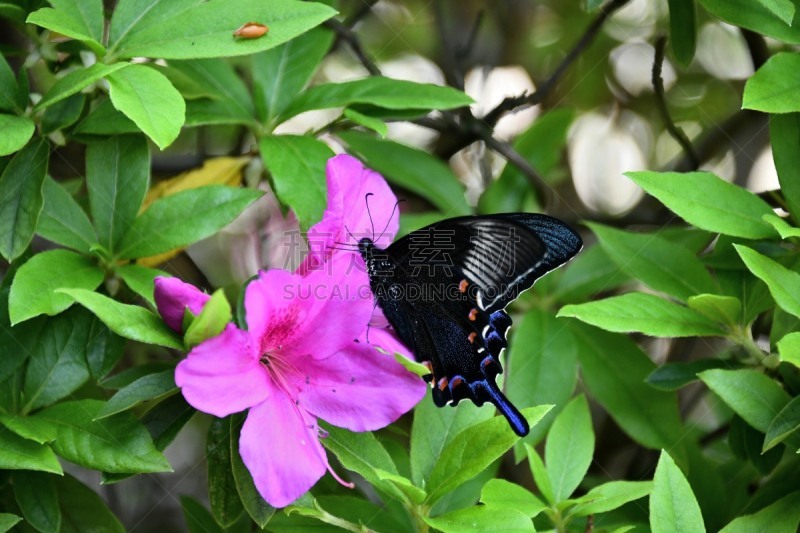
(442,384)
(458,380)
(462,286)
(472,337)
(473,315)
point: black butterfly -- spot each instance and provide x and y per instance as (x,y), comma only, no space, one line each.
(443,289)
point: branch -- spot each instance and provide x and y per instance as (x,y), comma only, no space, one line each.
(346,34)
(543,191)
(661,103)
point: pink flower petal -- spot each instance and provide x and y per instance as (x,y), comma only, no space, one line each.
(359,388)
(173,296)
(223,374)
(271,310)
(280,447)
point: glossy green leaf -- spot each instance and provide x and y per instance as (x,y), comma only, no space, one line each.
(228,101)
(8,521)
(149,387)
(183,218)
(76,81)
(683,30)
(570,448)
(610,496)
(789,348)
(33,289)
(17,453)
(754,15)
(673,376)
(379,91)
(216,314)
(590,273)
(673,506)
(104,119)
(198,518)
(21,197)
(116,444)
(412,169)
(780,280)
(166,419)
(133,16)
(785,425)
(280,74)
(225,503)
(784,229)
(8,87)
(614,369)
(82,509)
(17,131)
(117,177)
(540,475)
(206,29)
(781,516)
(725,310)
(751,394)
(297,164)
(36,496)
(658,263)
(502,494)
(542,366)
(372,123)
(708,202)
(66,23)
(258,509)
(89,13)
(140,280)
(104,350)
(473,450)
(39,431)
(784,134)
(129,321)
(63,113)
(643,313)
(148,98)
(482,518)
(773,88)
(434,429)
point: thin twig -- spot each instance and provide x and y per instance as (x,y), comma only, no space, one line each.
(344,33)
(543,191)
(661,102)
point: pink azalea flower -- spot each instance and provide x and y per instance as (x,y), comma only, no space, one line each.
(298,361)
(173,297)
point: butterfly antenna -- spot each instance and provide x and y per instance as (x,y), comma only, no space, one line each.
(369,213)
(396,204)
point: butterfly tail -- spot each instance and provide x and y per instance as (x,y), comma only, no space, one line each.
(512,414)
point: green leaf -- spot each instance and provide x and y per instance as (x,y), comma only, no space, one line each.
(89,13)
(17,131)
(29,428)
(258,509)
(473,450)
(21,197)
(280,74)
(784,229)
(726,310)
(132,16)
(781,516)
(434,429)
(773,88)
(225,503)
(8,521)
(63,114)
(149,387)
(8,87)
(129,321)
(683,30)
(789,348)
(644,313)
(614,369)
(104,351)
(751,395)
(76,81)
(360,119)
(784,134)
(116,444)
(117,177)
(502,494)
(216,314)
(37,499)
(33,289)
(543,361)
(754,16)
(148,98)
(198,518)
(206,30)
(783,9)
(66,23)
(610,496)
(784,425)
(104,119)
(673,506)
(17,453)
(570,448)
(482,518)
(590,273)
(184,218)
(140,280)
(379,91)
(658,263)
(778,278)
(83,509)
(708,202)
(673,376)
(411,169)
(297,166)
(166,419)
(540,475)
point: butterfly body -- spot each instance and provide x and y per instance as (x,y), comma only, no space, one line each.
(443,289)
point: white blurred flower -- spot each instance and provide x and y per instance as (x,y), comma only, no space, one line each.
(488,87)
(723,53)
(308,121)
(723,166)
(601,148)
(763,175)
(668,149)
(637,20)
(633,64)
